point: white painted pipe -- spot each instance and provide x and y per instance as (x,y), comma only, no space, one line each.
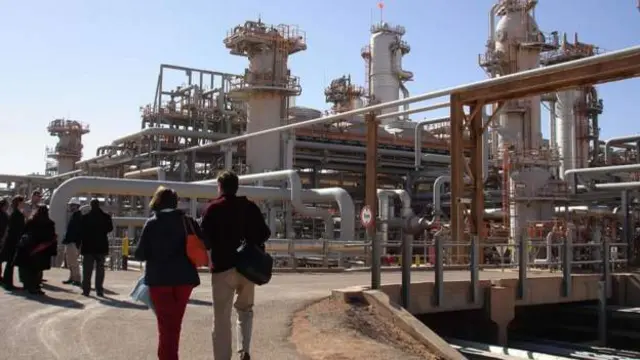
(158,171)
(295,185)
(158,131)
(86,184)
(37,178)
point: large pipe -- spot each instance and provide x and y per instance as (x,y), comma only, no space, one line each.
(405,94)
(617,140)
(436,106)
(157,171)
(417,139)
(157,131)
(295,187)
(443,159)
(602,169)
(547,70)
(438,189)
(87,184)
(37,178)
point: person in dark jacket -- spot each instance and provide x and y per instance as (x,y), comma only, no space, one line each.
(170,275)
(36,249)
(94,246)
(4,225)
(227,222)
(14,233)
(72,238)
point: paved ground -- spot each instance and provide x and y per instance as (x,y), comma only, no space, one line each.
(64,325)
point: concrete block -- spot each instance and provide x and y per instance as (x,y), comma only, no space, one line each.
(349,295)
(407,322)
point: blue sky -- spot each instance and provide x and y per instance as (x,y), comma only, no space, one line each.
(97,61)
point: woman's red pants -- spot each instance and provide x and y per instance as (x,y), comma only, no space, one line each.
(170,303)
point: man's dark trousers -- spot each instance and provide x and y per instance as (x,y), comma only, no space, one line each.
(88,263)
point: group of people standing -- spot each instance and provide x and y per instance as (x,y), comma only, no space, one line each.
(227,223)
(28,240)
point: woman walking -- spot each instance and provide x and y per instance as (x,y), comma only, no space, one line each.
(170,275)
(37,247)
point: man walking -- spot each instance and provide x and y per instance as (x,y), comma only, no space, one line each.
(33,203)
(94,246)
(227,221)
(71,240)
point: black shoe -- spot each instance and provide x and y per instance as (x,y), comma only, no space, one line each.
(68,282)
(76,283)
(44,280)
(100,294)
(36,292)
(245,356)
(85,293)
(10,287)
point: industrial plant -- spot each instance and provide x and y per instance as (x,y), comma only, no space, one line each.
(310,180)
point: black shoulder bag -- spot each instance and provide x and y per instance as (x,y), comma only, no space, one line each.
(253,262)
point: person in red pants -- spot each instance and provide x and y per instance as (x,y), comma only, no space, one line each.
(170,275)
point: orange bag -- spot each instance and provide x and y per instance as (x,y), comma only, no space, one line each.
(196,251)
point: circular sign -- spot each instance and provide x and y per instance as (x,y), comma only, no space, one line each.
(366,216)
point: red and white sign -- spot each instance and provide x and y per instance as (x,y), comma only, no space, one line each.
(366,216)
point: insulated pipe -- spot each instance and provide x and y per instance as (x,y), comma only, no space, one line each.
(36,178)
(295,187)
(405,94)
(88,184)
(417,138)
(444,159)
(158,131)
(438,187)
(547,70)
(158,171)
(441,105)
(602,169)
(617,140)
(492,22)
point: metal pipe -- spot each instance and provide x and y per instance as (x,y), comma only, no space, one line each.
(541,71)
(158,171)
(295,187)
(417,138)
(444,159)
(158,131)
(405,94)
(617,140)
(602,169)
(438,187)
(297,195)
(441,105)
(88,184)
(492,22)
(38,179)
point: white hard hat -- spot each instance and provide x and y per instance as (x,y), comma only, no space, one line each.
(74,201)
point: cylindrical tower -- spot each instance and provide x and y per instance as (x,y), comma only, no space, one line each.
(384,65)
(68,150)
(576,111)
(266,86)
(515,44)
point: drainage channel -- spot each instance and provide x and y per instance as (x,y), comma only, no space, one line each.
(539,350)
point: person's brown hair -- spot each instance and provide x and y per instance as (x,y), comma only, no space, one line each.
(228,182)
(16,201)
(164,198)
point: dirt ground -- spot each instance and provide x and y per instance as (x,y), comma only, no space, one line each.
(333,330)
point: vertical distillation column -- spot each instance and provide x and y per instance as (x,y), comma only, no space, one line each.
(515,45)
(68,150)
(576,112)
(266,85)
(386,75)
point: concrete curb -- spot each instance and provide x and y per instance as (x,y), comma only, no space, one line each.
(400,317)
(407,322)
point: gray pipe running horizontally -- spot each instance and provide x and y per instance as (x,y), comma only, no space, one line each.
(617,140)
(158,131)
(295,186)
(87,184)
(36,178)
